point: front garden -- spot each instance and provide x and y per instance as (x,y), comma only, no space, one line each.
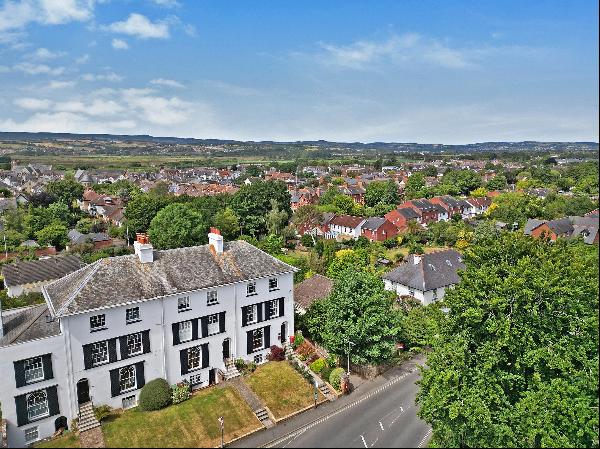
(282,388)
(67,439)
(192,423)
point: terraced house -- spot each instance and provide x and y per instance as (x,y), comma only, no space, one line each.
(110,326)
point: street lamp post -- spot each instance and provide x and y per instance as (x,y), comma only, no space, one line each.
(316,392)
(222,422)
(350,344)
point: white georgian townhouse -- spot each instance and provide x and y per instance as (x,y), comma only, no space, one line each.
(108,328)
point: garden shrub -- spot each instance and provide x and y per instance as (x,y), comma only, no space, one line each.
(325,373)
(102,411)
(335,377)
(155,395)
(277,354)
(312,358)
(240,364)
(305,350)
(298,340)
(181,392)
(317,366)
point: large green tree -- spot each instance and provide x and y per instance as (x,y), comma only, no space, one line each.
(176,226)
(516,364)
(66,190)
(359,310)
(382,192)
(142,209)
(252,203)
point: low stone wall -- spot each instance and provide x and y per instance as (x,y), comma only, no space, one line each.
(3,435)
(370,371)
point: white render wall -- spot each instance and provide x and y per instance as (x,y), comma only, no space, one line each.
(9,390)
(163,361)
(424,297)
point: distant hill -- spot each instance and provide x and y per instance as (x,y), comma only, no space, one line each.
(323,144)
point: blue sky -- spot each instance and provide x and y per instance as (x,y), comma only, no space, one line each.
(398,70)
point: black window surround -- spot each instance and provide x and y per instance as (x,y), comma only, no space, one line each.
(112,350)
(199,328)
(21,406)
(19,367)
(263,310)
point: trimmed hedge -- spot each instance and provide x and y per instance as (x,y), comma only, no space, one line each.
(155,395)
(335,377)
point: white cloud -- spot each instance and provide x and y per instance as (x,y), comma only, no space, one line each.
(409,48)
(140,26)
(82,59)
(156,109)
(119,44)
(45,54)
(56,84)
(17,14)
(167,3)
(166,82)
(33,104)
(110,76)
(38,69)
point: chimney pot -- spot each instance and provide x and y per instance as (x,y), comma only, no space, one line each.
(215,240)
(143,248)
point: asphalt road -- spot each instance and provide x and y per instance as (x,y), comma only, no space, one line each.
(383,414)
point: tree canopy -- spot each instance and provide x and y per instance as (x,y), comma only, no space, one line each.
(178,225)
(516,364)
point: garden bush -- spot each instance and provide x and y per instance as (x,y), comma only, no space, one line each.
(298,340)
(317,366)
(240,364)
(277,354)
(335,377)
(325,373)
(155,395)
(305,350)
(102,411)
(181,392)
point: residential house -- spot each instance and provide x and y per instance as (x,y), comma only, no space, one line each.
(345,227)
(569,227)
(426,277)
(378,229)
(98,239)
(108,328)
(30,276)
(313,289)
(401,216)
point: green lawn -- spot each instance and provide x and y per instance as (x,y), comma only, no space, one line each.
(68,439)
(193,423)
(281,388)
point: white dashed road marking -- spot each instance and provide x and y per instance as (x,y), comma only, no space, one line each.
(364,442)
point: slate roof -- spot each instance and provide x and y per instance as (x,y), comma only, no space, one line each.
(373,223)
(121,280)
(409,213)
(435,270)
(27,324)
(77,237)
(312,289)
(27,272)
(561,226)
(532,224)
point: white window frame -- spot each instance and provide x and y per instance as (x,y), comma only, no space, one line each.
(99,348)
(212,298)
(213,324)
(255,339)
(34,369)
(183,304)
(185,331)
(130,386)
(275,282)
(37,402)
(135,345)
(274,308)
(251,288)
(252,311)
(194,358)
(132,315)
(196,380)
(97,322)
(28,434)
(258,358)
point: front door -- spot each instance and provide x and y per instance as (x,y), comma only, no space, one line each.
(284,332)
(83,391)
(226,352)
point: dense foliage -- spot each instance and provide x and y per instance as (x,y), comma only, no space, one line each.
(516,362)
(155,395)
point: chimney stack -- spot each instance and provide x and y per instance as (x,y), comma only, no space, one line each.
(215,240)
(417,258)
(143,249)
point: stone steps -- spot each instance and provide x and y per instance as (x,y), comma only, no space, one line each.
(87,418)
(263,417)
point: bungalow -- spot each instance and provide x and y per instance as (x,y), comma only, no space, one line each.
(99,239)
(426,277)
(313,289)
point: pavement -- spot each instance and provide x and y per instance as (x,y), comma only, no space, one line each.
(379,413)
